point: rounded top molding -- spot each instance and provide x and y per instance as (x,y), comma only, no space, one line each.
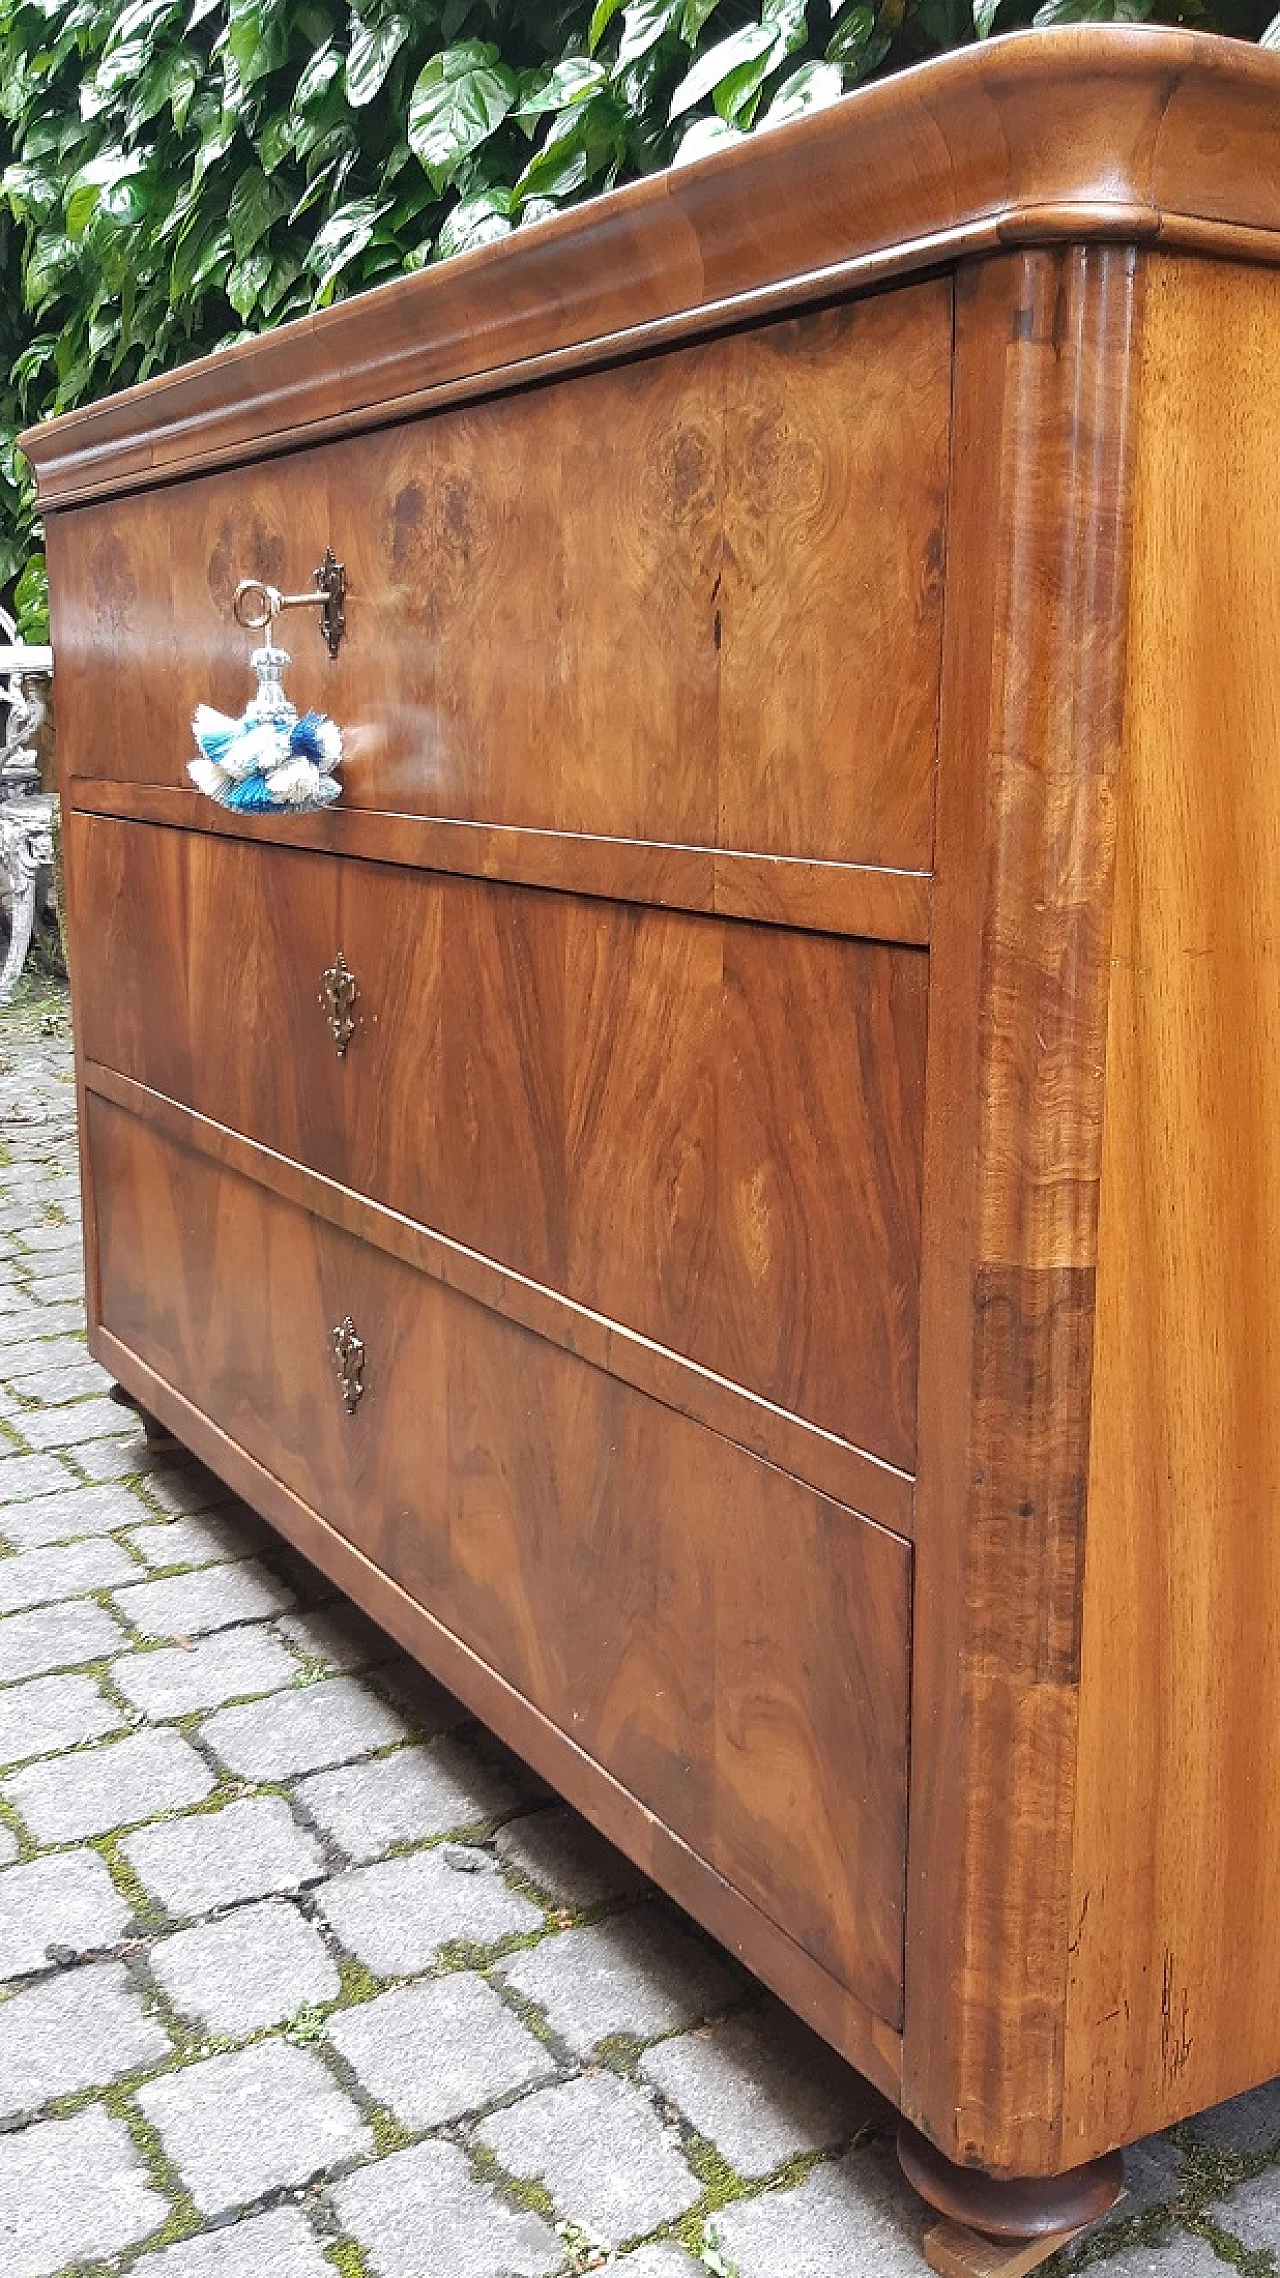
(1123,133)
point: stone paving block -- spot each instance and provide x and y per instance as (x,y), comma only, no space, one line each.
(338,1637)
(437,2050)
(603,2154)
(420,2214)
(44,1577)
(1181,2256)
(114,1785)
(184,1487)
(667,2260)
(58,1288)
(68,1901)
(37,1320)
(56,1637)
(22,1476)
(563,1854)
(190,1605)
(427,1706)
(762,2089)
(31,1356)
(1248,2124)
(250,1849)
(255,1967)
(9,1845)
(43,2225)
(855,2214)
(279,2245)
(237,2126)
(80,2029)
(211,1538)
(395,1917)
(82,1420)
(634,1974)
(402,1798)
(53,1712)
(39,1238)
(229,1665)
(58,1382)
(1251,2212)
(76,1511)
(112,1459)
(300,1730)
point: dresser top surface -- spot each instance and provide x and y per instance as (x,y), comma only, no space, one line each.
(1129,133)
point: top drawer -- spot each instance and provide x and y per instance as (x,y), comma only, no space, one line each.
(694,600)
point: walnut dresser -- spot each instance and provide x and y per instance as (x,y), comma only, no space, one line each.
(729,1190)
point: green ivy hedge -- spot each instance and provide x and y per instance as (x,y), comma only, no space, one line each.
(177,173)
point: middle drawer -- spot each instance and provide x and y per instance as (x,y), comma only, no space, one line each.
(705,1130)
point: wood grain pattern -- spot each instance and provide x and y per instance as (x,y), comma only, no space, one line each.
(760,567)
(772,889)
(1156,134)
(1031,725)
(616,1566)
(1174,1990)
(708,1132)
(848,1474)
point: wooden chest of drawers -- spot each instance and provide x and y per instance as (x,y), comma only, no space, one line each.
(804,1173)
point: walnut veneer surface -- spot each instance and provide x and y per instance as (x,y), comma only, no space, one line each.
(805,1171)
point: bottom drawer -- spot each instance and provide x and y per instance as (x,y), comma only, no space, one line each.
(730,1645)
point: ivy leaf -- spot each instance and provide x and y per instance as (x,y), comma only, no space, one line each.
(643,24)
(1271,36)
(254,206)
(809,88)
(248,281)
(475,221)
(1093,12)
(703,136)
(602,16)
(319,75)
(696,13)
(31,601)
(257,38)
(371,55)
(581,143)
(567,83)
(99,178)
(754,45)
(857,42)
(341,240)
(459,99)
(984,16)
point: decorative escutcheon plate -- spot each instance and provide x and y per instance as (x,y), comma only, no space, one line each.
(348,1359)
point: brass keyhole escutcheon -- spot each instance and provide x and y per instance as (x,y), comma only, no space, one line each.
(338,992)
(348,1359)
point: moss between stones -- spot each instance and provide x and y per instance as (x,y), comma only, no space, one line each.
(182,2220)
(348,2258)
(388,2135)
(531,2197)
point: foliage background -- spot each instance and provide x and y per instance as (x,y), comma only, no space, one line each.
(176,173)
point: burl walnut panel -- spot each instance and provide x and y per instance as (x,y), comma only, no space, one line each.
(730,1645)
(709,1132)
(760,566)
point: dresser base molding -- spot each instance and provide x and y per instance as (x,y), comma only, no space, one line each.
(865,2040)
(1014,2207)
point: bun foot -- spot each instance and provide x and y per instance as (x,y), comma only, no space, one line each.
(158,1435)
(1015,2208)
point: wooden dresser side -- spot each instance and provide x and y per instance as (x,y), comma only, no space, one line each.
(1174,1997)
(1033,685)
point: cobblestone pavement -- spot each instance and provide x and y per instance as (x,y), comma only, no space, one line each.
(301,1972)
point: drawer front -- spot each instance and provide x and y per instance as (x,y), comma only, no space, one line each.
(694,600)
(728,1644)
(707,1131)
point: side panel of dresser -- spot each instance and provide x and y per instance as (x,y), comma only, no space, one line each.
(1175,1968)
(1032,709)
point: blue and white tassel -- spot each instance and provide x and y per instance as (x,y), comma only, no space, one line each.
(268,761)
